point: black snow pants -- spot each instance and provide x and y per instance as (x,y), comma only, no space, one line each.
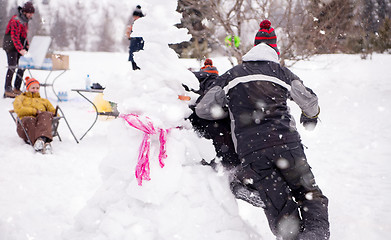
(136,44)
(220,133)
(287,186)
(13,61)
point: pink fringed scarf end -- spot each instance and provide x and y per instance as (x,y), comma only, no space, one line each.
(145,124)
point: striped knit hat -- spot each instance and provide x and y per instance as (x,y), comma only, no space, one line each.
(30,81)
(266,35)
(209,68)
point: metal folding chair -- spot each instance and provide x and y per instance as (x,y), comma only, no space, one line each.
(59,114)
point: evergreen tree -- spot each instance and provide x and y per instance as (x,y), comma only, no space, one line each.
(58,32)
(382,9)
(107,41)
(369,16)
(382,39)
(375,18)
(36,24)
(332,23)
(77,27)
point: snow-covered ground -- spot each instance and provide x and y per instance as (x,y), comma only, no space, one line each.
(89,190)
(349,151)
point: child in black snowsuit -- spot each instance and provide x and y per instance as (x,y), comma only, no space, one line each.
(266,140)
(219,131)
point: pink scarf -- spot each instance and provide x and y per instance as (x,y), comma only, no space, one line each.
(146,125)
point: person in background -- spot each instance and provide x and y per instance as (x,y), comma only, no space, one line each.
(16,45)
(136,43)
(219,131)
(207,73)
(254,95)
(36,115)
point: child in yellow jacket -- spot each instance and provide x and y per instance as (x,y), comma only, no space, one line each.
(36,115)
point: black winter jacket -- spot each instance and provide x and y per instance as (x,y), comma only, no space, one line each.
(206,76)
(255,94)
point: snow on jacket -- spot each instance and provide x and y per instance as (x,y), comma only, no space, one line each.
(27,104)
(255,94)
(16,33)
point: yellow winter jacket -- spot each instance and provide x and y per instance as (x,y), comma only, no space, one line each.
(27,104)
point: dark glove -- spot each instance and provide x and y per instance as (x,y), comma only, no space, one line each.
(308,123)
(186,87)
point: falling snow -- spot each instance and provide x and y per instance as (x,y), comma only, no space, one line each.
(61,196)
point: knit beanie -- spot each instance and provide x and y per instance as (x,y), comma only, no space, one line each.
(137,12)
(209,68)
(28,7)
(266,35)
(30,81)
(208,61)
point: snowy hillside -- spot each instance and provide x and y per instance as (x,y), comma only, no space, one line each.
(349,151)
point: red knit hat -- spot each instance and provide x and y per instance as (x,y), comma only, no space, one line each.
(266,35)
(28,7)
(30,81)
(208,61)
(209,68)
